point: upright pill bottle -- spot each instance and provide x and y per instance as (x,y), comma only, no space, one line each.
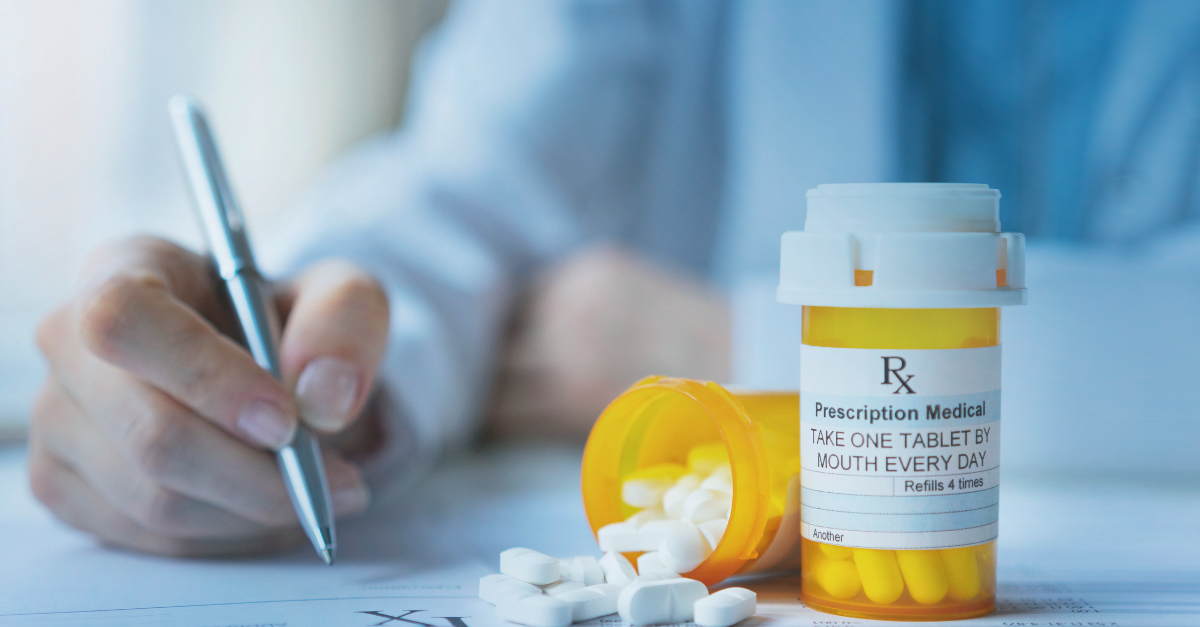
(668,421)
(901,286)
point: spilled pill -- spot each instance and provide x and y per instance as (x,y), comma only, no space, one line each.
(617,569)
(683,550)
(535,610)
(725,607)
(657,602)
(561,586)
(652,563)
(585,569)
(592,601)
(529,566)
(713,531)
(493,587)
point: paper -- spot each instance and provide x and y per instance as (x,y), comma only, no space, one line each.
(1070,555)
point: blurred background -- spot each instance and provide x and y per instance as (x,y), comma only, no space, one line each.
(1096,369)
(86,151)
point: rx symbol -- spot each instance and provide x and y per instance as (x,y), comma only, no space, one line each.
(889,370)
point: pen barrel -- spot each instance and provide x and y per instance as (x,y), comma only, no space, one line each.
(253,304)
(304,473)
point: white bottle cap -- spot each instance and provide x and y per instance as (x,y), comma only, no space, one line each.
(927,245)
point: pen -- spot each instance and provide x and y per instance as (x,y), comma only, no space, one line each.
(221,221)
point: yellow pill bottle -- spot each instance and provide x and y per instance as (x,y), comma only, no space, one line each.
(901,286)
(695,426)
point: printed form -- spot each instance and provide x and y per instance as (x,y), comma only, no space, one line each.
(1070,555)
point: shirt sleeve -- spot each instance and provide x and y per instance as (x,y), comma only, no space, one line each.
(518,112)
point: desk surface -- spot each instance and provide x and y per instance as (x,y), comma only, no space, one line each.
(1071,553)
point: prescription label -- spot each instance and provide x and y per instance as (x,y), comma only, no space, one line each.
(899,449)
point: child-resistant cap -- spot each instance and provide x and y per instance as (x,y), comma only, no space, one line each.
(903,245)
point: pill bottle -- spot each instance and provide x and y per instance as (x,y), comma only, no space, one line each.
(901,286)
(661,420)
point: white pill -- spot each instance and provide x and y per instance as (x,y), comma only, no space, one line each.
(713,531)
(617,569)
(645,516)
(535,610)
(656,602)
(592,601)
(724,470)
(684,550)
(585,569)
(705,505)
(617,537)
(529,566)
(673,500)
(561,586)
(492,587)
(624,538)
(645,492)
(725,607)
(661,528)
(717,483)
(652,563)
(655,576)
(690,481)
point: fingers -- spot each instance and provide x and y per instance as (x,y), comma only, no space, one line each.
(132,320)
(174,449)
(335,335)
(74,502)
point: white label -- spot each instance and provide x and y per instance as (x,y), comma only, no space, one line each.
(899,449)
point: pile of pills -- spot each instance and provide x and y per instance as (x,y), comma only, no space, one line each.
(540,591)
(681,516)
(683,512)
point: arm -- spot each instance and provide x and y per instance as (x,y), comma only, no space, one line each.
(519,113)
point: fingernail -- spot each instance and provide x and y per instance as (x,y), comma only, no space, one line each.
(263,422)
(326,391)
(350,499)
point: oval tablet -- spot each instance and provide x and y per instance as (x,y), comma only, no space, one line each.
(493,587)
(529,566)
(585,569)
(725,607)
(684,550)
(535,610)
(617,569)
(657,602)
(592,601)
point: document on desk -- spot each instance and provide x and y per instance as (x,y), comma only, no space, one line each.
(1068,557)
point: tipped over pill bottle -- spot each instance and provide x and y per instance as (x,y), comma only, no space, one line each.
(731,458)
(901,286)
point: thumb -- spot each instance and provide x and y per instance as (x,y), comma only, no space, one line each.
(332,342)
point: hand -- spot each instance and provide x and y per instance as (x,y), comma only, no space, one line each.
(594,326)
(154,429)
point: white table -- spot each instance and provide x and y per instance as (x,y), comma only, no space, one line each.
(1071,553)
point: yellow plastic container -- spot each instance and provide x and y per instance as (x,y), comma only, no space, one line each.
(661,419)
(940,584)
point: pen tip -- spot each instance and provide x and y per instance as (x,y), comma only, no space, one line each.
(327,555)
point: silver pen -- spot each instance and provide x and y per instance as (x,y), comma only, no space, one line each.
(221,220)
